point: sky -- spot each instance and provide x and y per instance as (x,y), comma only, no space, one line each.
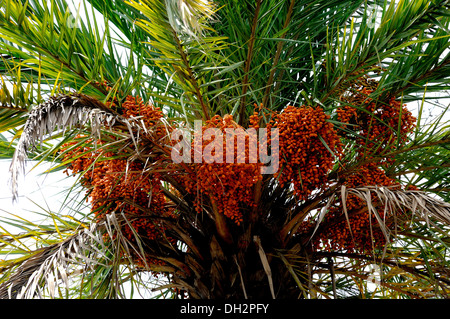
(38,191)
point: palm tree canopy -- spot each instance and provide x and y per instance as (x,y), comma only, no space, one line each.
(98,88)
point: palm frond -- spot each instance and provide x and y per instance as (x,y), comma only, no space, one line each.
(421,204)
(394,202)
(62,112)
(57,266)
(177,50)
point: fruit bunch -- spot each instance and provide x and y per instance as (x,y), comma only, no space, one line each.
(227,183)
(115,184)
(380,126)
(309,146)
(134,107)
(346,114)
(358,231)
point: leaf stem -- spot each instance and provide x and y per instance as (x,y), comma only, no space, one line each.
(248,62)
(278,54)
(191,76)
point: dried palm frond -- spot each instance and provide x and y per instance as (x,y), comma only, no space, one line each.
(57,264)
(419,203)
(51,264)
(394,202)
(63,112)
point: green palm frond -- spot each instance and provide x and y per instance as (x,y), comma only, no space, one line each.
(177,48)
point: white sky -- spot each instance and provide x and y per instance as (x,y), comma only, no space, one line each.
(38,192)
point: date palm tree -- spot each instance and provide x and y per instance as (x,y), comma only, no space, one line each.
(98,88)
